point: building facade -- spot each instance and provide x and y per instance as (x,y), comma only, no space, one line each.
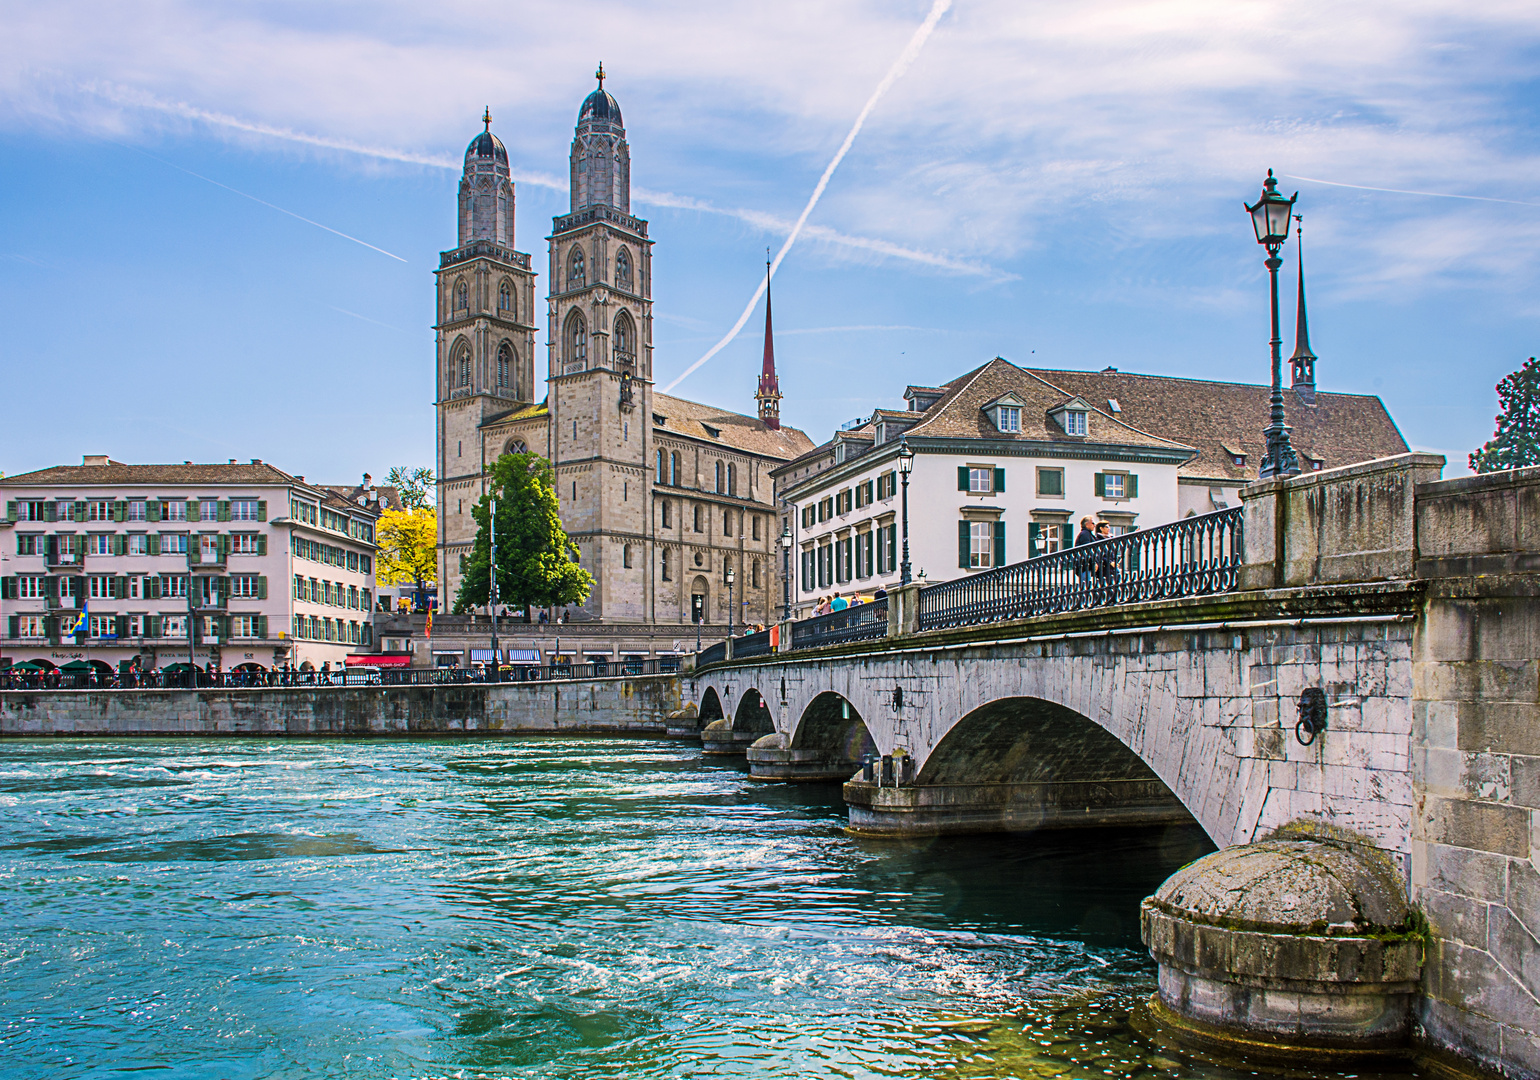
(108,563)
(660,495)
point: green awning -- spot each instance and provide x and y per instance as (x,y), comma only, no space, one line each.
(77,665)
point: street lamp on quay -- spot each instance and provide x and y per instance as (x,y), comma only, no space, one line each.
(492,592)
(905,464)
(731,577)
(786,569)
(1270,219)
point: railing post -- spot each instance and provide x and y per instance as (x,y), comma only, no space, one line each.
(728,653)
(783,644)
(904,610)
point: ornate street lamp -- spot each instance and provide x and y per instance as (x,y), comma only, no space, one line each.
(905,464)
(1270,218)
(786,569)
(731,577)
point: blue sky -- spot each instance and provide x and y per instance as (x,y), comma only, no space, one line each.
(1058,184)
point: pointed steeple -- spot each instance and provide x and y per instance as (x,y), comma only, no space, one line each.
(769,393)
(1303,360)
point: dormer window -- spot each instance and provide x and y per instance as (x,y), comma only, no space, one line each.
(715,433)
(1005,413)
(1010,419)
(1074,421)
(1072,416)
(1239,459)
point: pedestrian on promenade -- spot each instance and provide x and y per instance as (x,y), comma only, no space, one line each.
(1106,565)
(1083,564)
(839,603)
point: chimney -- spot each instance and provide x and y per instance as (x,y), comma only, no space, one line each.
(256,461)
(232,461)
(94,459)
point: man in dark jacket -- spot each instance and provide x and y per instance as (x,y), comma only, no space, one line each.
(1084,564)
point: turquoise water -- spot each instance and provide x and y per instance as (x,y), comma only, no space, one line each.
(541,908)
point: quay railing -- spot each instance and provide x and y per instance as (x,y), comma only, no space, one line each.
(859,623)
(1192,557)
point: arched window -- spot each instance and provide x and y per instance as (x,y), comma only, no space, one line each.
(577,274)
(659,470)
(732,479)
(625,340)
(755,576)
(460,366)
(505,299)
(462,295)
(577,339)
(504,366)
(727,523)
(515,446)
(668,516)
(623,270)
(668,571)
(673,468)
(697,519)
(719,489)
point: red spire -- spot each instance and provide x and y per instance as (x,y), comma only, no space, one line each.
(769,393)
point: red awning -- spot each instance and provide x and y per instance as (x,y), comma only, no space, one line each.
(378,660)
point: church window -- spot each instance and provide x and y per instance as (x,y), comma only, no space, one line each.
(625,556)
(755,577)
(462,295)
(577,340)
(727,523)
(505,299)
(623,270)
(625,340)
(756,526)
(659,469)
(697,519)
(668,571)
(719,488)
(673,468)
(668,515)
(504,366)
(577,273)
(732,479)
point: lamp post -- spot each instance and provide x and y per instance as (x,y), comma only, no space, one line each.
(905,465)
(492,526)
(1270,220)
(786,570)
(731,577)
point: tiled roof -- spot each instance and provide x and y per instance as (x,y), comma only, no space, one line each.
(523,412)
(116,473)
(382,498)
(959,413)
(1221,418)
(746,433)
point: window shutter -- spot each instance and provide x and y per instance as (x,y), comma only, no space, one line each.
(261,626)
(224,509)
(1101,485)
(1000,543)
(1035,545)
(1066,535)
(224,546)
(261,509)
(152,510)
(80,511)
(261,543)
(8,590)
(194,510)
(122,588)
(999,480)
(152,626)
(15,627)
(261,588)
(10,515)
(120,511)
(892,548)
(154,540)
(50,511)
(962,480)
(1131,488)
(962,544)
(153,592)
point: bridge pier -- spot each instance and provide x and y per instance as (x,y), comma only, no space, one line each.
(831,743)
(889,810)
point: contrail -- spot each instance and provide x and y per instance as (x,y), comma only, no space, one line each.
(1402,191)
(264,202)
(905,58)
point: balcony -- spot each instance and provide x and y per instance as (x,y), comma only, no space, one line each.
(62,561)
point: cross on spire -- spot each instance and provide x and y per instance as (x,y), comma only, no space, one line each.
(600,74)
(486,118)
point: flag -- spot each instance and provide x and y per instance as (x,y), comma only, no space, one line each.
(429,631)
(80,623)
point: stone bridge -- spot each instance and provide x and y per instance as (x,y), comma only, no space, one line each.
(1403,835)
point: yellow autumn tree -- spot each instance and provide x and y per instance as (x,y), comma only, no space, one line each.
(408,546)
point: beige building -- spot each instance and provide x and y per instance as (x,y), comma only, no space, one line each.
(110,562)
(660,495)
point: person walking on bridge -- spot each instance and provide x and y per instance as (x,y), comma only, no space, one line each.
(1083,564)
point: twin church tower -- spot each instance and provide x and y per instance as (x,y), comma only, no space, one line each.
(661,495)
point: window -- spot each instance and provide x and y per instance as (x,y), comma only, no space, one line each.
(807,570)
(754,576)
(246,626)
(981,549)
(727,523)
(668,514)
(31,626)
(462,295)
(826,508)
(808,516)
(99,544)
(623,270)
(1044,538)
(1074,422)
(173,586)
(887,485)
(1050,483)
(31,588)
(243,509)
(981,480)
(625,556)
(1112,485)
(756,526)
(668,570)
(65,510)
(103,626)
(173,543)
(98,510)
(697,519)
(208,510)
(464,366)
(246,544)
(732,479)
(101,587)
(30,544)
(625,340)
(577,273)
(136,510)
(673,468)
(69,587)
(577,340)
(843,501)
(504,366)
(173,511)
(505,299)
(208,548)
(246,586)
(719,489)
(1010,418)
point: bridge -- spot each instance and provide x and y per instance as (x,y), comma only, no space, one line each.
(1338,681)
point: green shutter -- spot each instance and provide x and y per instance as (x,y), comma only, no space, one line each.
(122,588)
(261,509)
(120,511)
(1101,485)
(50,511)
(15,627)
(224,546)
(154,543)
(962,544)
(194,510)
(10,515)
(261,626)
(999,480)
(261,543)
(892,547)
(1131,486)
(1066,535)
(261,588)
(224,510)
(1035,540)
(962,481)
(80,511)
(152,626)
(1000,543)
(152,510)
(153,592)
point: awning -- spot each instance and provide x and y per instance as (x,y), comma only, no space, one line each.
(377,660)
(524,656)
(484,656)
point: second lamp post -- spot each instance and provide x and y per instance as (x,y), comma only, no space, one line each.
(905,464)
(1270,219)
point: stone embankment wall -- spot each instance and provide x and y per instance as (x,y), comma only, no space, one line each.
(632,706)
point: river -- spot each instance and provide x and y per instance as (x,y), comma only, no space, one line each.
(544,908)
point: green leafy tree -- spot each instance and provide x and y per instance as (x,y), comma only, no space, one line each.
(535,566)
(1516,442)
(413,486)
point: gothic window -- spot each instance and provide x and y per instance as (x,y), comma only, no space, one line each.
(623,270)
(516,446)
(755,577)
(732,479)
(505,299)
(668,571)
(625,340)
(460,366)
(577,276)
(719,489)
(659,470)
(504,366)
(727,523)
(462,295)
(697,519)
(673,468)
(577,339)
(625,556)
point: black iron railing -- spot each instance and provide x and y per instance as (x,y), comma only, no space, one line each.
(1192,557)
(713,653)
(859,623)
(755,644)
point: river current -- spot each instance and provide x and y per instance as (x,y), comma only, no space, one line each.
(544,908)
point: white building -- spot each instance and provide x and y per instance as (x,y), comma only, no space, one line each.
(107,562)
(1005,466)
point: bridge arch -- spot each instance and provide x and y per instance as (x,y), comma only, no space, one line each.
(710,706)
(753,716)
(832,728)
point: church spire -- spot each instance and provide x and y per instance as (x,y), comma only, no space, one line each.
(769,393)
(1303,360)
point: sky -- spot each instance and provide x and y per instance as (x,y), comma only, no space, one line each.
(218,223)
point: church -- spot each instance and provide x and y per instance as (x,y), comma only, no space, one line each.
(662,496)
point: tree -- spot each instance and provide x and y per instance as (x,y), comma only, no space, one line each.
(414,487)
(408,546)
(535,567)
(1516,442)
